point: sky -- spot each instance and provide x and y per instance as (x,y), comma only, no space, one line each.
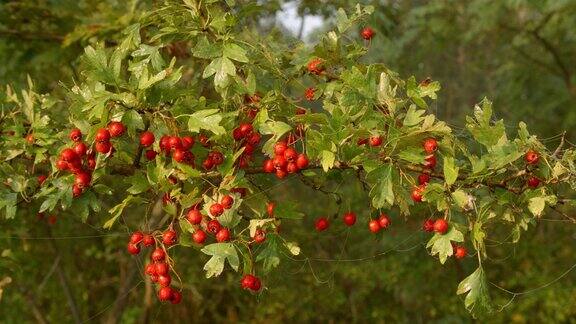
(289,18)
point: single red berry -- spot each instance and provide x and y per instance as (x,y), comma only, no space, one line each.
(441,226)
(375,141)
(247,281)
(103,147)
(91,162)
(315,66)
(245,129)
(280,148)
(321,224)
(169,237)
(41,178)
(148,240)
(428,225)
(241,191)
(223,235)
(116,128)
(204,140)
(349,218)
(268,166)
(460,252)
(302,161)
(430,162)
(187,142)
(423,178)
(147,138)
(248,149)
(150,269)
(165,143)
(367,33)
(531,157)
(61,165)
(254,138)
(384,221)
(136,237)
(199,236)
(256,285)
(290,154)
(214,226)
(292,167)
(417,193)
(158,255)
(178,155)
(175,142)
(270,208)
(52,219)
(161,268)
(533,182)
(68,155)
(259,236)
(75,135)
(217,157)
(82,179)
(176,297)
(237,134)
(80,148)
(430,145)
(75,166)
(208,164)
(279,162)
(165,294)
(164,280)
(194,216)
(374,226)
(76,191)
(102,135)
(281,174)
(154,278)
(216,209)
(30,138)
(133,248)
(227,201)
(309,93)
(150,155)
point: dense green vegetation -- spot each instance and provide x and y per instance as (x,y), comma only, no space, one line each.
(519,54)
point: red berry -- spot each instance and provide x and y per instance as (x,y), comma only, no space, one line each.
(430,162)
(208,164)
(165,294)
(259,236)
(430,145)
(374,226)
(80,149)
(161,268)
(75,166)
(428,225)
(150,269)
(256,285)
(254,138)
(281,174)
(322,224)
(61,165)
(531,157)
(103,147)
(417,193)
(533,182)
(241,191)
(116,128)
(423,178)
(279,162)
(216,157)
(309,93)
(292,167)
(216,209)
(147,138)
(367,33)
(41,179)
(214,226)
(247,281)
(349,218)
(169,237)
(133,248)
(178,155)
(164,280)
(302,161)
(384,221)
(82,179)
(245,129)
(270,208)
(158,255)
(75,135)
(268,166)
(315,66)
(150,155)
(204,140)
(102,135)
(176,297)
(237,134)
(154,278)
(148,240)
(375,141)
(68,155)
(136,237)
(199,236)
(52,219)
(165,143)
(248,149)
(194,216)
(30,138)
(175,142)
(91,162)
(76,191)
(187,142)
(290,154)
(280,148)
(460,252)
(441,226)
(223,235)
(227,201)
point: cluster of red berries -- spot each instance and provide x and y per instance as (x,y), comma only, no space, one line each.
(309,93)
(349,219)
(248,139)
(373,141)
(286,160)
(532,158)
(430,146)
(251,282)
(382,223)
(50,219)
(196,218)
(439,226)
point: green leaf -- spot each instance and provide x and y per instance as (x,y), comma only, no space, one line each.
(327,159)
(205,49)
(9,202)
(536,205)
(220,252)
(270,253)
(235,52)
(381,179)
(287,210)
(208,119)
(221,68)
(441,244)
(133,120)
(139,184)
(450,170)
(461,198)
(477,300)
(117,210)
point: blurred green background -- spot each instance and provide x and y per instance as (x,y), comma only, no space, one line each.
(519,53)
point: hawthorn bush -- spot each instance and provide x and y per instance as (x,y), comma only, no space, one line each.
(180,126)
